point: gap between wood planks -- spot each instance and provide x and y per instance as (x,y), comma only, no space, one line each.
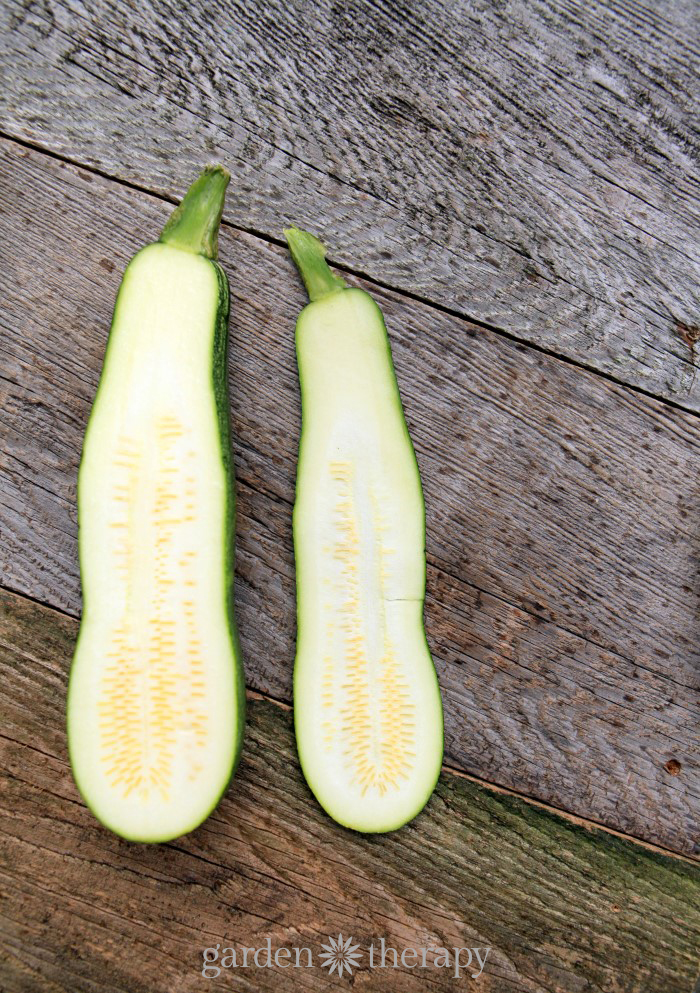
(359,274)
(583,822)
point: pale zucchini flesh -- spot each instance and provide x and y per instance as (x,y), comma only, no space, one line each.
(155,707)
(367,706)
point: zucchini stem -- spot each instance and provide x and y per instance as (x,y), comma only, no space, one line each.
(309,256)
(194,225)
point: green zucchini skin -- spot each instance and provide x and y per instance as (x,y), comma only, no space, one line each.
(188,245)
(223,407)
(358,501)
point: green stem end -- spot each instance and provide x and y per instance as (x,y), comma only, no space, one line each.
(194,225)
(309,257)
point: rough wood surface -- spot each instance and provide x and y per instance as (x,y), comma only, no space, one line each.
(533,165)
(561,908)
(562,509)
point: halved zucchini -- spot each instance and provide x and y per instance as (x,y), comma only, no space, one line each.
(367,708)
(156,696)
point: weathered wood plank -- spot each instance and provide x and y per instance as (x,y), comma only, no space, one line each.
(533,165)
(562,908)
(562,583)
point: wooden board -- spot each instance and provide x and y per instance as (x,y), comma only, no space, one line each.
(562,908)
(562,540)
(531,165)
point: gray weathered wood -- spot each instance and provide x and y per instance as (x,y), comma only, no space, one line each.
(533,165)
(563,909)
(562,509)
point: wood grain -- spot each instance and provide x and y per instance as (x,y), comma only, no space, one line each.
(532,165)
(562,509)
(562,909)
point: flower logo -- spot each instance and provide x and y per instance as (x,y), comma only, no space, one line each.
(340,955)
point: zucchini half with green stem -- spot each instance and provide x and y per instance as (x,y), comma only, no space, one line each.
(156,696)
(367,708)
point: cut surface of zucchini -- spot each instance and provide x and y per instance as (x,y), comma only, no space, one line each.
(156,699)
(367,706)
